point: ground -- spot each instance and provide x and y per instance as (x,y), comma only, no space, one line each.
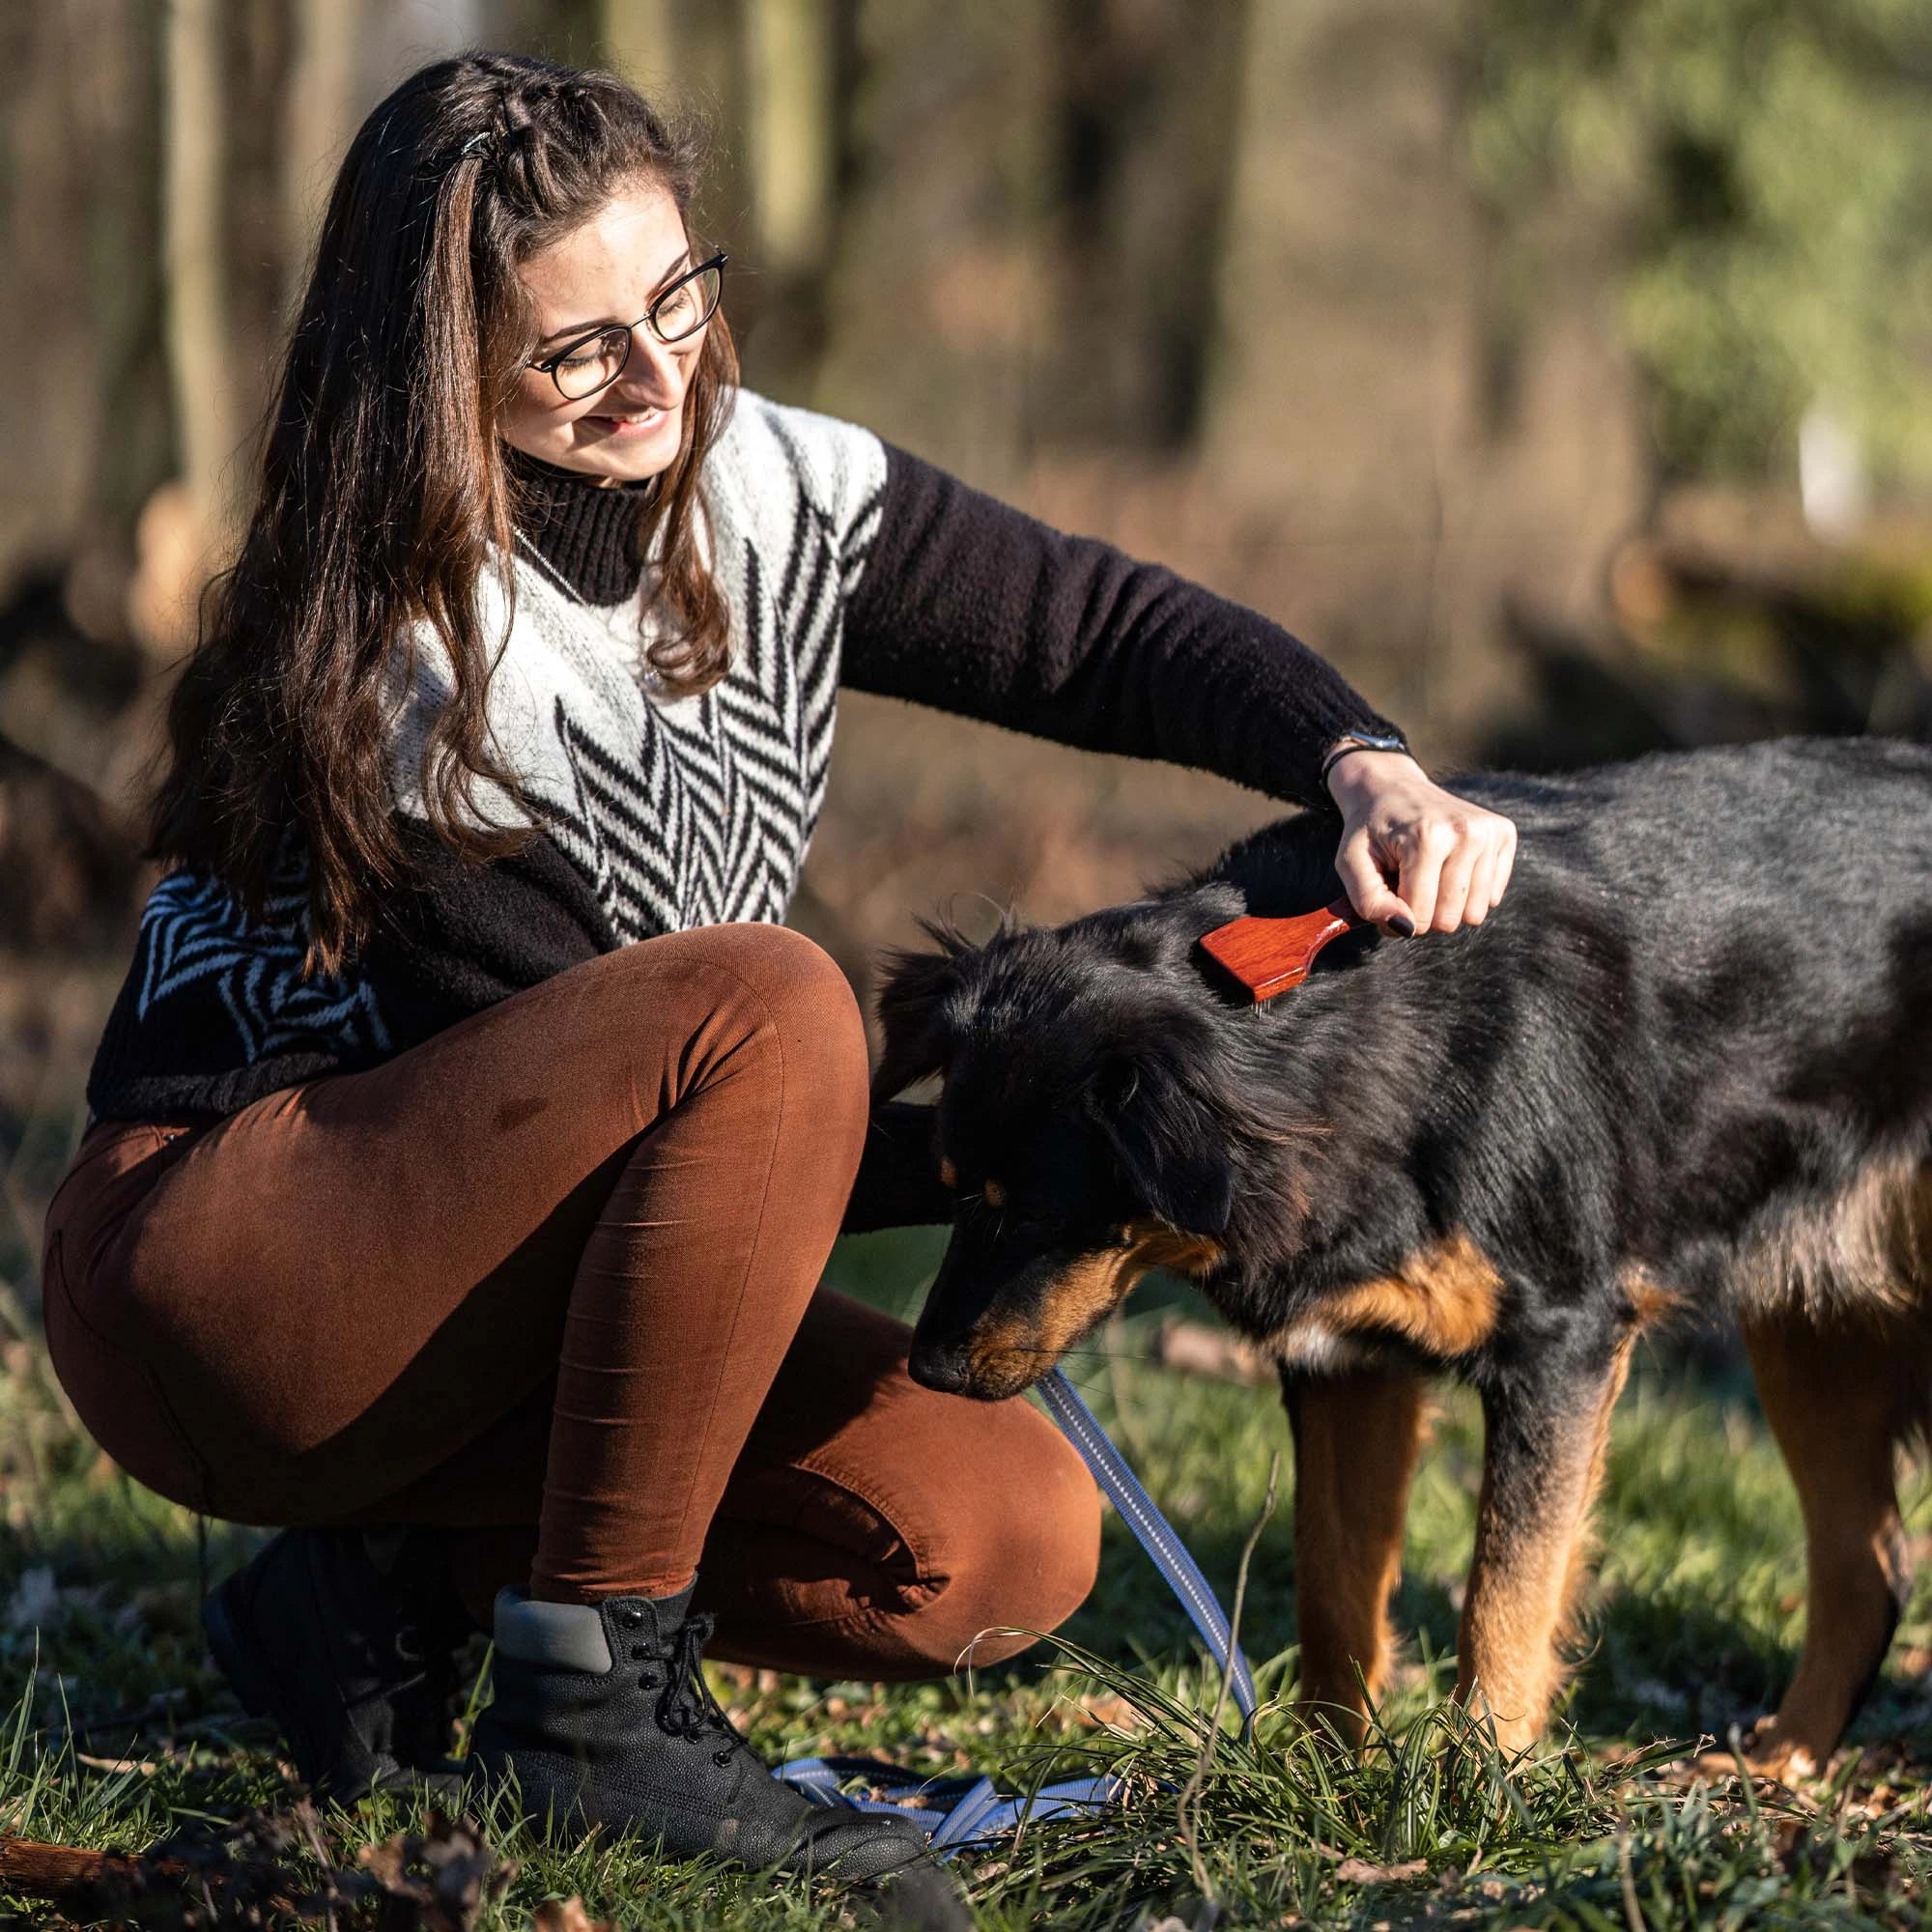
(122,1734)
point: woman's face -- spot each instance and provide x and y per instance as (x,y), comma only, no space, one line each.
(606,272)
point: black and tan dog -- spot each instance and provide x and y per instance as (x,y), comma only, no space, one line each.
(1688,1062)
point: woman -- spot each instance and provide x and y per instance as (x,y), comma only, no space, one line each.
(469,1138)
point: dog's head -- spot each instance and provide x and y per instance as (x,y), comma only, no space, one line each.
(1092,1124)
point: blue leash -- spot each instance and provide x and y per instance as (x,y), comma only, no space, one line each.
(966,1810)
(1153,1533)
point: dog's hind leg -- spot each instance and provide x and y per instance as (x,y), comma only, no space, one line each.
(1542,1458)
(1838,1399)
(1357,1435)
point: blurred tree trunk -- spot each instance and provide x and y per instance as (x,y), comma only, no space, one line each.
(939,294)
(200,336)
(791,141)
(1146,116)
(324,103)
(87,431)
(639,40)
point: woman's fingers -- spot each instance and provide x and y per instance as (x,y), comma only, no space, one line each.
(1369,892)
(1426,844)
(1452,882)
(1450,858)
(1482,886)
(1490,878)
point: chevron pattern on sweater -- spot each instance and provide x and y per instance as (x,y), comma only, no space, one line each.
(672,812)
(194,931)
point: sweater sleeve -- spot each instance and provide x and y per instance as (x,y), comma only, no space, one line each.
(966,604)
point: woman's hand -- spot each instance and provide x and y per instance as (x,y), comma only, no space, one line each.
(1450,860)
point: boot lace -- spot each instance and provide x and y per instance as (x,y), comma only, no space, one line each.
(687,1708)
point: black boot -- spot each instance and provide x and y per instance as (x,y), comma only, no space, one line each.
(603,1717)
(348,1639)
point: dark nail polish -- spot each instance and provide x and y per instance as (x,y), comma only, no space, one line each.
(1403,927)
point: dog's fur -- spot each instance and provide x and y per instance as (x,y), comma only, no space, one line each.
(1687,1060)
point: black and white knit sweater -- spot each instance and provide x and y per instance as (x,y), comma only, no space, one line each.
(845,561)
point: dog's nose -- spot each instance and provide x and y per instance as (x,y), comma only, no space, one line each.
(939,1365)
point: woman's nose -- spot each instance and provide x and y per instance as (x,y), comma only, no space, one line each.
(652,367)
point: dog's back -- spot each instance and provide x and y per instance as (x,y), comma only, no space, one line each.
(1710,989)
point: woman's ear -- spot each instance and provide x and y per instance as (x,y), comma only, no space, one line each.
(1173,1153)
(916,1009)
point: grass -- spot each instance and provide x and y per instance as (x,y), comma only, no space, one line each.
(121,1734)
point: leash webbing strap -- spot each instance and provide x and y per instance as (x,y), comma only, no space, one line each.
(1153,1531)
(967,1810)
(953,1811)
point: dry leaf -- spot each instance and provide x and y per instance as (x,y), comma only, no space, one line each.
(1358,1871)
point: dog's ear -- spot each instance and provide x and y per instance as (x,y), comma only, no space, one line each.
(1173,1150)
(915,995)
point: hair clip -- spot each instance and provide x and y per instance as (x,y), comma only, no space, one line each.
(476,141)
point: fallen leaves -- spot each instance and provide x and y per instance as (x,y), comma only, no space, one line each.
(269,1866)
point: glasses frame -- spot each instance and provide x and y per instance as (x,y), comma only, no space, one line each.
(548,364)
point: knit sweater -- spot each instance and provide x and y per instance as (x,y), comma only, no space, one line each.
(844,560)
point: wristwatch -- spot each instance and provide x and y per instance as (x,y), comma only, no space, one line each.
(1361,741)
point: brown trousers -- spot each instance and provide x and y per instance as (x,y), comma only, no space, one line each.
(550,1280)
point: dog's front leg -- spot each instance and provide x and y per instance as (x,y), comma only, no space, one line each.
(1357,1435)
(1542,1454)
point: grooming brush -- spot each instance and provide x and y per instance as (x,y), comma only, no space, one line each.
(1267,956)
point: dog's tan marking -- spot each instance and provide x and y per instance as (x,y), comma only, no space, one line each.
(1162,1247)
(1838,1397)
(1444,1298)
(992,1194)
(1014,1347)
(1011,1349)
(949,1174)
(1356,1438)
(1648,1300)
(1527,1567)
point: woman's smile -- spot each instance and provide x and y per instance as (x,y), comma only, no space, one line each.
(627,423)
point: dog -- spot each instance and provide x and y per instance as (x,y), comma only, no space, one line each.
(1685,1065)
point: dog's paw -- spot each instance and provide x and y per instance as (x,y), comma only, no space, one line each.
(1767,1752)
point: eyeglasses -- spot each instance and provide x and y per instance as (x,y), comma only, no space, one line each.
(595,361)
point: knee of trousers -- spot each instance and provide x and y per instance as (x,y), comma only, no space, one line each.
(753,979)
(789,981)
(1022,1547)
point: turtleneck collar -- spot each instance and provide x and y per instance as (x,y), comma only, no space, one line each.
(585,530)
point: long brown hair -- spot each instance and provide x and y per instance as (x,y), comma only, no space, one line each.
(384,490)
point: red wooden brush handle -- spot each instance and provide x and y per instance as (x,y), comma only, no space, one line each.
(1270,955)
